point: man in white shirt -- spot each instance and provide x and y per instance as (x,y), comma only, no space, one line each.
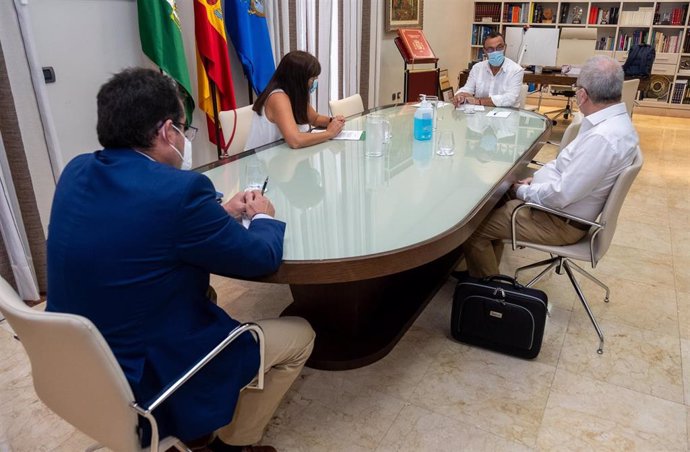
(577,182)
(495,82)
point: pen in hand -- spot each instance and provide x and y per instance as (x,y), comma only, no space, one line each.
(263,188)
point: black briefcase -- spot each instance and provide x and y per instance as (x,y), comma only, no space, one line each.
(499,314)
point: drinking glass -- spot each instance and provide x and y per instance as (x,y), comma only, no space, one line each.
(254,175)
(378,132)
(446,143)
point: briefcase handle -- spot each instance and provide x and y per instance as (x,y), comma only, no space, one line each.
(504,278)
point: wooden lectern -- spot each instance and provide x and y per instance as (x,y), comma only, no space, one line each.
(415,49)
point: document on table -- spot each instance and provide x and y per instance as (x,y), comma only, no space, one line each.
(350,135)
(498,113)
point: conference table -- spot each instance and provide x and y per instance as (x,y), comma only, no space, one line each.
(370,240)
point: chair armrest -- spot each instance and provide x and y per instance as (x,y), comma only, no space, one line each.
(232,336)
(531,205)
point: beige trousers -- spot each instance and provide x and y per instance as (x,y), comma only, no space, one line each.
(289,342)
(484,248)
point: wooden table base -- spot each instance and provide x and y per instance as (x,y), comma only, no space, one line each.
(358,323)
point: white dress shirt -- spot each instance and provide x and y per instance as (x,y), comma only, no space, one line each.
(503,88)
(580,179)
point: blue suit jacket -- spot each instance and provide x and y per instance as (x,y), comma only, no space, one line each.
(131,243)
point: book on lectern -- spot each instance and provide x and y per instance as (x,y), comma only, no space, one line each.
(415,45)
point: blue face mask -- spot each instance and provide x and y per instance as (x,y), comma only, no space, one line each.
(314,86)
(496,58)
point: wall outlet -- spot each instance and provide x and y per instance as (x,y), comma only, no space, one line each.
(397,95)
(393,96)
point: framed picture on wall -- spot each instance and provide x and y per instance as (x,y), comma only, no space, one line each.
(403,14)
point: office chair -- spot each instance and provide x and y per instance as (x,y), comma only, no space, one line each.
(77,376)
(236,125)
(348,106)
(568,135)
(628,94)
(561,90)
(592,247)
(524,92)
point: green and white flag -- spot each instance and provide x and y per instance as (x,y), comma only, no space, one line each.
(161,41)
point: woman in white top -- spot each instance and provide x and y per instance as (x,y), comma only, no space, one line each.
(283,110)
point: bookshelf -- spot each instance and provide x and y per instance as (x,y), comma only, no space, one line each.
(663,24)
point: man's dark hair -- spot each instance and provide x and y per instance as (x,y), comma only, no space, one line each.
(493,34)
(133,104)
(292,76)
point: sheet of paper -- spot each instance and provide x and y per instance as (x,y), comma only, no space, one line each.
(245,222)
(351,135)
(498,114)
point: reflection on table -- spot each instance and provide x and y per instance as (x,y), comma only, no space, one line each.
(362,230)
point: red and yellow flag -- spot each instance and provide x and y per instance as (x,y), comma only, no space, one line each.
(213,61)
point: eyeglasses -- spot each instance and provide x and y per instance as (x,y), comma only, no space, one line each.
(188,131)
(494,49)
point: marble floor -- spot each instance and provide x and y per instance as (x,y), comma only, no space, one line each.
(431,393)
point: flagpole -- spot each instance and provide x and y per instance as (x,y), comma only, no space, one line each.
(216,122)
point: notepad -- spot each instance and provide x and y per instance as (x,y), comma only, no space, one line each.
(351,135)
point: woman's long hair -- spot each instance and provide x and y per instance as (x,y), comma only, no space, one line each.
(292,76)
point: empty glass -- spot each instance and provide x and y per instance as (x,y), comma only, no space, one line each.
(254,175)
(446,143)
(378,133)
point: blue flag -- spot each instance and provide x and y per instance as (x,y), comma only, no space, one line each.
(245,22)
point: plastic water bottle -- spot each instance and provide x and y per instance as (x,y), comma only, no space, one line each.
(423,120)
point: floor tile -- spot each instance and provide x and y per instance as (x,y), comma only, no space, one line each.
(681,266)
(646,361)
(683,300)
(419,429)
(636,265)
(495,392)
(586,414)
(644,236)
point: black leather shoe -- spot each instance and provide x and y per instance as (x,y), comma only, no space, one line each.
(219,446)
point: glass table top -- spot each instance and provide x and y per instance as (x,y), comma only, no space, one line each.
(339,203)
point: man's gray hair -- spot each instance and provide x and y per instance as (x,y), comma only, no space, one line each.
(602,77)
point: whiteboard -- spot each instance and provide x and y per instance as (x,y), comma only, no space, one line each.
(540,44)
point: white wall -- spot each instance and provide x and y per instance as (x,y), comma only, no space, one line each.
(447,27)
(87,48)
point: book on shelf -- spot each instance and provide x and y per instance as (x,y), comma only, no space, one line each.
(479,32)
(415,47)
(484,11)
(644,16)
(678,93)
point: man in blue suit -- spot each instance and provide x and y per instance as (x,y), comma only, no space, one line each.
(131,243)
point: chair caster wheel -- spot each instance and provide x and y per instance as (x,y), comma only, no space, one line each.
(554,122)
(600,351)
(606,300)
(565,116)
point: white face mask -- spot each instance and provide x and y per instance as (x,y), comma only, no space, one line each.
(187,156)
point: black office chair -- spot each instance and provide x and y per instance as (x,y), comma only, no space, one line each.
(561,90)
